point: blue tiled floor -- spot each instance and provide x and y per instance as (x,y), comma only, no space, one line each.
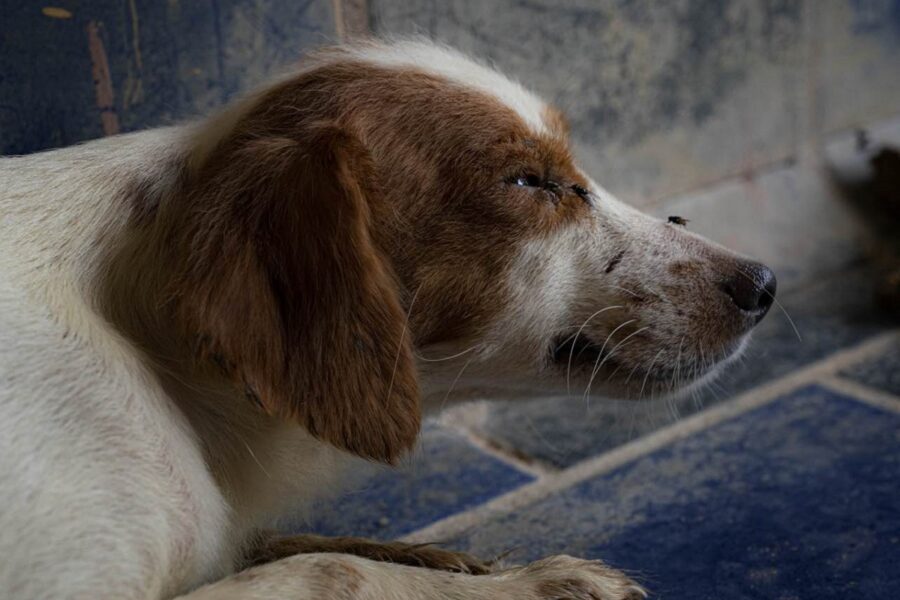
(799,499)
(883,373)
(447,475)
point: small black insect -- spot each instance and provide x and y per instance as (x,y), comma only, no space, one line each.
(679,221)
(862,140)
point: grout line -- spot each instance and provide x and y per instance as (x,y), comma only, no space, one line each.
(456,524)
(534,468)
(864,393)
(736,176)
(789,159)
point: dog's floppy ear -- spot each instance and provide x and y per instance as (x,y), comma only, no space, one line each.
(289,293)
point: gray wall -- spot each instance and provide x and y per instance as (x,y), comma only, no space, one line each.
(664,96)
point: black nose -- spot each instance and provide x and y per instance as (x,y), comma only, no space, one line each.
(752,288)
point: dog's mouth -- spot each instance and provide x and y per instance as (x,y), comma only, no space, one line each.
(578,351)
(606,367)
(583,354)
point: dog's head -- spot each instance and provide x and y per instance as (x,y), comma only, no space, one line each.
(396,214)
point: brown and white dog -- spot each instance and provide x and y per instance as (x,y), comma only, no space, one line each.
(203,327)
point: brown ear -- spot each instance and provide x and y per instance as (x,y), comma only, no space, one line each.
(290,294)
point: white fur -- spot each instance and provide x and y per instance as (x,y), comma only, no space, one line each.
(450,64)
(98,468)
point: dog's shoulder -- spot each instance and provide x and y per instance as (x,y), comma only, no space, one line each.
(89,448)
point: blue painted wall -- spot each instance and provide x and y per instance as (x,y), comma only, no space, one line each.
(168,60)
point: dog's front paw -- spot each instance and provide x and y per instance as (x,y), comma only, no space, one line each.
(567,578)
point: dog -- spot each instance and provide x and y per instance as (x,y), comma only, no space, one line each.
(206,327)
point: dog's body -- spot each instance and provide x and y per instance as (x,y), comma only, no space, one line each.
(183,359)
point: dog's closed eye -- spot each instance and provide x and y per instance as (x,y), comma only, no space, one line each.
(528,180)
(536,182)
(582,193)
(531,180)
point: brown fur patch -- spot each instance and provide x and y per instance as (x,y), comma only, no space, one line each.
(280,272)
(443,155)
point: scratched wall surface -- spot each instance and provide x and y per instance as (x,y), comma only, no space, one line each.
(167,60)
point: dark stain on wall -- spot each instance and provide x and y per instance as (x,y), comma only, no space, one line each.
(167,60)
(712,35)
(879,17)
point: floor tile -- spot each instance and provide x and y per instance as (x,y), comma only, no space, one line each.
(881,372)
(832,314)
(797,499)
(447,475)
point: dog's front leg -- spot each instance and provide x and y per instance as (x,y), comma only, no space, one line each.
(347,577)
(274,547)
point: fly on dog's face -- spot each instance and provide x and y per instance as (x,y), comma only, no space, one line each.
(518,270)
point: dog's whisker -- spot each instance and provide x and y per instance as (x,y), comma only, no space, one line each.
(609,355)
(632,372)
(451,357)
(614,371)
(620,288)
(453,384)
(672,385)
(788,317)
(777,303)
(600,356)
(677,368)
(402,338)
(256,460)
(673,410)
(575,339)
(603,347)
(701,368)
(502,555)
(649,372)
